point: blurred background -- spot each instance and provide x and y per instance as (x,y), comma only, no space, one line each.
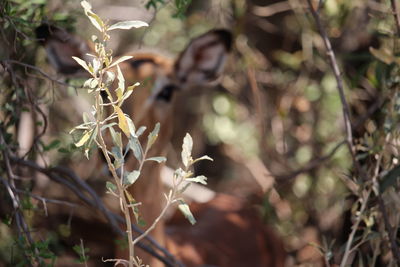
(274,126)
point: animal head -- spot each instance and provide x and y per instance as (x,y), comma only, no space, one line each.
(200,64)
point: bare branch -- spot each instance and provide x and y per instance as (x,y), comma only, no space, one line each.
(395,15)
(339,81)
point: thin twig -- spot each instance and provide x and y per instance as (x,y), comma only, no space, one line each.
(312,164)
(44,74)
(355,228)
(395,15)
(339,81)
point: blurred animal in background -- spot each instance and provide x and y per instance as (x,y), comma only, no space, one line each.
(229,232)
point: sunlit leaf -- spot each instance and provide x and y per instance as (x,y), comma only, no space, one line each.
(122,122)
(198,179)
(202,158)
(187,150)
(126,25)
(109,77)
(121,79)
(140,131)
(82,63)
(94,19)
(119,60)
(133,86)
(157,159)
(153,135)
(84,138)
(131,126)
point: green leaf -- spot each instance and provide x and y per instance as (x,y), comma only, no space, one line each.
(82,63)
(390,179)
(119,60)
(84,138)
(184,208)
(187,150)
(201,179)
(157,159)
(153,135)
(126,25)
(131,177)
(111,187)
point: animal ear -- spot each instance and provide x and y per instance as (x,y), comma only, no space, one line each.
(204,58)
(60,47)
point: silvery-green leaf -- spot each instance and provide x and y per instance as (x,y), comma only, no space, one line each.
(109,77)
(95,20)
(111,187)
(119,60)
(118,157)
(140,131)
(187,150)
(184,208)
(96,65)
(153,135)
(136,148)
(121,79)
(131,177)
(202,158)
(126,25)
(131,126)
(157,159)
(109,125)
(198,179)
(116,137)
(83,64)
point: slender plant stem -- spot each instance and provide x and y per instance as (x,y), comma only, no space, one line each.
(170,200)
(395,15)
(355,228)
(117,179)
(339,81)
